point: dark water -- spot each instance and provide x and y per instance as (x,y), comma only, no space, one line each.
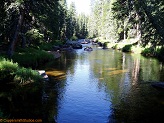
(104,86)
(101,86)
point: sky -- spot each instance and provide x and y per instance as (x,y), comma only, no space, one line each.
(82,6)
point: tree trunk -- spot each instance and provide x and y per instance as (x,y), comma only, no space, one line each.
(23,41)
(139,33)
(125,28)
(16,34)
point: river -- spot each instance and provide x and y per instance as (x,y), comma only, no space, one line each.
(103,86)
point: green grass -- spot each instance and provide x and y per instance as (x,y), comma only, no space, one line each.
(12,72)
(31,58)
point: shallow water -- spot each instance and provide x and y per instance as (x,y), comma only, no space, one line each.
(104,86)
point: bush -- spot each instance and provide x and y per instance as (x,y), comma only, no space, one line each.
(25,91)
(11,72)
(147,52)
(35,36)
(7,70)
(127,48)
(105,45)
(24,76)
(160,52)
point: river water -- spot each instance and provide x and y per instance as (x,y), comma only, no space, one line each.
(104,86)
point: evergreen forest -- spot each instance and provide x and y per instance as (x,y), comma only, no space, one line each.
(27,23)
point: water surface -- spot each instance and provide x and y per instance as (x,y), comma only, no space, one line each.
(104,86)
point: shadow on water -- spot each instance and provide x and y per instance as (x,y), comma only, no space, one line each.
(56,70)
(143,104)
(20,102)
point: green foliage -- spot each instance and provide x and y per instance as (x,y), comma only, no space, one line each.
(35,36)
(148,52)
(30,23)
(24,86)
(11,72)
(115,46)
(82,26)
(24,75)
(160,52)
(6,64)
(105,45)
(7,70)
(33,23)
(140,19)
(127,48)
(49,45)
(30,57)
(120,30)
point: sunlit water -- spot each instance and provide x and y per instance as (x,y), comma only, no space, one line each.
(104,86)
(83,101)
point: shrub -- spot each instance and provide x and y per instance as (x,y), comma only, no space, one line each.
(7,70)
(105,45)
(160,52)
(35,36)
(24,76)
(147,52)
(127,48)
(11,72)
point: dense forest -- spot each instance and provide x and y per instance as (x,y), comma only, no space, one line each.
(30,22)
(117,20)
(122,19)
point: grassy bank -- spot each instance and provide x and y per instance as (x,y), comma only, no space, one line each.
(33,57)
(20,68)
(131,45)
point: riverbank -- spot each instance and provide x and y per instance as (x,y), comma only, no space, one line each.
(134,46)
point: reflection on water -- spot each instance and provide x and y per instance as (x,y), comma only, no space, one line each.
(110,86)
(99,87)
